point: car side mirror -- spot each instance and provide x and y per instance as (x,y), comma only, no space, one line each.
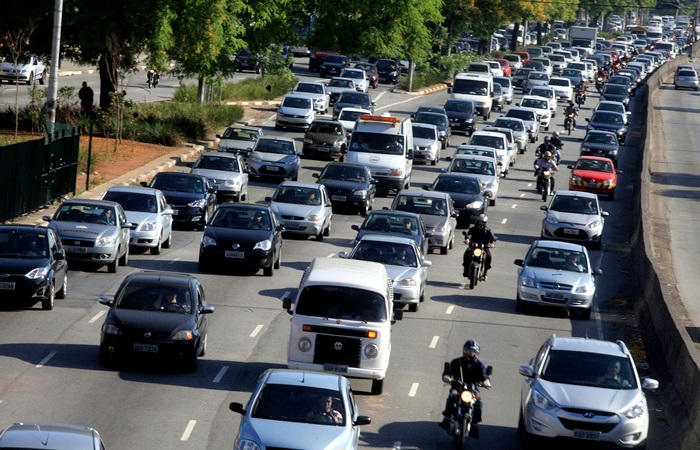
(280,228)
(46,218)
(519,262)
(587,119)
(597,272)
(355,227)
(237,407)
(362,420)
(105,301)
(569,167)
(604,213)
(372,181)
(426,188)
(60,255)
(343,255)
(144,184)
(268,199)
(544,207)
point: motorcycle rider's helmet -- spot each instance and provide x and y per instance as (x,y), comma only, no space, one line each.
(481,220)
(571,103)
(555,134)
(546,139)
(471,349)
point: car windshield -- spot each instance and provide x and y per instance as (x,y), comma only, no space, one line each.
(341,302)
(523,72)
(300,404)
(148,296)
(504,82)
(297,102)
(355,74)
(472,166)
(309,87)
(614,107)
(560,82)
(588,369)
(571,73)
(424,133)
(351,115)
(335,59)
(132,201)
(275,146)
(343,172)
(326,128)
(354,98)
(241,219)
(687,73)
(488,141)
(595,165)
(470,87)
(213,162)
(457,185)
(393,223)
(512,124)
(386,64)
(377,143)
(421,205)
(365,67)
(193,185)
(431,118)
(534,103)
(335,82)
(474,151)
(521,114)
(607,118)
(17,244)
(240,134)
(297,195)
(575,205)
(551,258)
(600,138)
(616,89)
(546,93)
(537,76)
(459,106)
(385,253)
(85,213)
(619,80)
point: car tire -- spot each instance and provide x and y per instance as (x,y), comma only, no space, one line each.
(47,303)
(377,387)
(104,358)
(585,314)
(492,202)
(526,439)
(124,260)
(156,250)
(168,242)
(327,231)
(30,80)
(519,304)
(319,236)
(278,262)
(444,250)
(61,294)
(203,351)
(268,271)
(413,307)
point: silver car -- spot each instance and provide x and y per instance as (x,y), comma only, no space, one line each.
(55,436)
(303,208)
(574,216)
(438,214)
(317,91)
(404,263)
(584,390)
(239,139)
(427,143)
(226,173)
(519,131)
(149,212)
(359,76)
(296,111)
(507,88)
(556,274)
(275,156)
(93,231)
(299,409)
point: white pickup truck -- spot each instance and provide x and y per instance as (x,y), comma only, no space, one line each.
(28,69)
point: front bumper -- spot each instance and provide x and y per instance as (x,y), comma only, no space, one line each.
(273,170)
(187,214)
(144,239)
(295,122)
(555,298)
(95,255)
(302,226)
(216,257)
(386,183)
(322,149)
(566,232)
(153,349)
(352,372)
(467,126)
(22,290)
(406,294)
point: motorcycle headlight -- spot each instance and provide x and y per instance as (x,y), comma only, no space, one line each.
(477,252)
(407,282)
(38,273)
(201,203)
(106,241)
(313,218)
(541,401)
(584,288)
(149,226)
(593,224)
(475,205)
(208,241)
(466,396)
(635,411)
(183,335)
(263,245)
(527,282)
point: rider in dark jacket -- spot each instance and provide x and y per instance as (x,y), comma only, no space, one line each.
(480,234)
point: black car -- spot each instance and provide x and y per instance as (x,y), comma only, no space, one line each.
(190,196)
(244,236)
(333,65)
(158,316)
(349,185)
(388,70)
(440,121)
(395,223)
(462,115)
(609,121)
(625,80)
(33,266)
(467,193)
(617,93)
(600,143)
(432,109)
(352,99)
(245,60)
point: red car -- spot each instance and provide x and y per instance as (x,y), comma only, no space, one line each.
(505,66)
(594,174)
(524,56)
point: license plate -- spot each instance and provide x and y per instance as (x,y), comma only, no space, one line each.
(338,198)
(273,168)
(7,285)
(591,185)
(569,231)
(335,368)
(587,435)
(146,348)
(554,296)
(232,254)
(76,249)
(323,149)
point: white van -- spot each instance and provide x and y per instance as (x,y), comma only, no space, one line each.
(385,145)
(475,87)
(341,320)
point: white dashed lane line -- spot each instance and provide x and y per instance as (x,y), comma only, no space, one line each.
(97,316)
(221,374)
(522,195)
(256,331)
(173,261)
(414,389)
(433,343)
(45,360)
(450,309)
(188,430)
(504,221)
(513,206)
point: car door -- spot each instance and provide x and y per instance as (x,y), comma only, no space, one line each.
(166,214)
(201,320)
(209,196)
(244,172)
(276,233)
(59,263)
(452,218)
(327,206)
(355,433)
(123,231)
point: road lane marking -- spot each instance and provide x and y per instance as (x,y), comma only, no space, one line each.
(221,374)
(97,316)
(513,206)
(414,388)
(256,331)
(332,255)
(45,360)
(174,260)
(434,342)
(522,195)
(529,185)
(188,430)
(450,309)
(504,221)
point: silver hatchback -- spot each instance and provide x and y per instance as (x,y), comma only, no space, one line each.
(303,208)
(226,173)
(55,436)
(574,216)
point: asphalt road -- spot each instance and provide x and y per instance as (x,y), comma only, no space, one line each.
(48,360)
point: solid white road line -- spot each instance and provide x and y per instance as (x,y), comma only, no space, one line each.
(188,430)
(256,331)
(450,309)
(434,342)
(97,316)
(221,374)
(45,360)
(414,388)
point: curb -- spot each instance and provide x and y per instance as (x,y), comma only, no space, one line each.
(260,103)
(426,91)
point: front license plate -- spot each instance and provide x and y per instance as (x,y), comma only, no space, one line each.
(7,285)
(570,231)
(587,435)
(335,368)
(76,249)
(591,185)
(338,198)
(232,254)
(146,348)
(273,168)
(554,296)
(323,149)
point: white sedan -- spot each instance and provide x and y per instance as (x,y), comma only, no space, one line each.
(541,105)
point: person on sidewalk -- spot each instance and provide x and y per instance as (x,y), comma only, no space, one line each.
(87,97)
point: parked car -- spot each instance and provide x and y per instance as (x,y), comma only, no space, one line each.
(467,193)
(315,90)
(56,436)
(29,68)
(395,223)
(226,173)
(239,139)
(275,156)
(245,60)
(191,197)
(594,174)
(303,208)
(296,111)
(156,316)
(462,115)
(575,217)
(601,143)
(34,267)
(349,185)
(325,138)
(438,214)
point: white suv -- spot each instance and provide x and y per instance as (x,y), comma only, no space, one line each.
(586,390)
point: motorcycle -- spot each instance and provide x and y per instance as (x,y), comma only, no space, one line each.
(569,123)
(464,396)
(545,183)
(580,97)
(600,84)
(474,262)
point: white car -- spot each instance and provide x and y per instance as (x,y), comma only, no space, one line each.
(563,88)
(484,169)
(541,105)
(358,76)
(426,142)
(317,91)
(506,87)
(529,116)
(496,69)
(338,85)
(349,116)
(497,141)
(574,216)
(296,111)
(29,68)
(548,93)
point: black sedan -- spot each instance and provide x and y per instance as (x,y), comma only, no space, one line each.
(609,121)
(349,186)
(462,115)
(617,93)
(600,143)
(242,236)
(191,197)
(395,223)
(333,65)
(467,193)
(33,266)
(157,316)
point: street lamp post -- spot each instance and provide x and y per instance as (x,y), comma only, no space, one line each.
(53,70)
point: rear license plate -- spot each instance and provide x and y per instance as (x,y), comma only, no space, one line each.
(7,285)
(273,168)
(554,296)
(335,368)
(587,435)
(569,231)
(338,198)
(232,254)
(76,249)
(146,348)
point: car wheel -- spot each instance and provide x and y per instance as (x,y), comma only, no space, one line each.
(327,231)
(319,236)
(377,387)
(105,359)
(124,260)
(452,243)
(47,303)
(585,314)
(612,195)
(413,307)
(444,250)
(191,363)
(519,304)
(278,263)
(64,288)
(43,78)
(203,351)
(492,202)
(169,240)
(30,80)
(112,268)
(294,178)
(156,250)
(526,439)
(268,271)
(204,220)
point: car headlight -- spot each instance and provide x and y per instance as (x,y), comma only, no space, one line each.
(233,182)
(304,344)
(621,131)
(475,204)
(608,182)
(541,401)
(308,141)
(183,335)
(360,192)
(442,133)
(309,116)
(527,282)
(291,162)
(201,203)
(407,282)
(440,229)
(256,158)
(338,144)
(593,224)
(208,241)
(552,220)
(371,350)
(263,245)
(106,241)
(575,178)
(112,329)
(314,218)
(245,444)
(149,226)
(395,172)
(490,185)
(584,288)
(635,411)
(38,273)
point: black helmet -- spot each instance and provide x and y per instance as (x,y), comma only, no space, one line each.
(546,139)
(571,103)
(482,219)
(470,346)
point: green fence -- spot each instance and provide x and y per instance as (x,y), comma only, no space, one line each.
(35,173)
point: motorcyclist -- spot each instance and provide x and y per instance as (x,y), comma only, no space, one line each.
(546,146)
(468,369)
(601,74)
(544,163)
(479,234)
(571,110)
(558,145)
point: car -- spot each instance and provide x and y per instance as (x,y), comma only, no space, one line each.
(529,117)
(467,193)
(55,436)
(547,278)
(483,168)
(499,142)
(303,208)
(506,87)
(506,68)
(538,66)
(576,76)
(275,156)
(520,75)
(686,79)
(431,109)
(495,67)
(524,56)
(226,173)
(546,92)
(349,185)
(34,267)
(352,99)
(546,63)
(539,104)
(427,143)
(294,401)
(438,214)
(388,71)
(584,389)
(519,129)
(333,65)
(608,105)
(563,88)
(245,60)
(404,263)
(296,111)
(479,68)
(28,69)
(315,90)
(156,316)
(600,143)
(93,231)
(498,97)
(512,146)
(394,223)
(609,121)
(625,80)
(536,78)
(149,212)
(244,236)
(360,77)
(575,217)
(338,85)
(325,138)
(191,197)
(594,174)
(349,116)
(462,115)
(370,71)
(478,150)
(514,60)
(617,93)
(441,122)
(239,139)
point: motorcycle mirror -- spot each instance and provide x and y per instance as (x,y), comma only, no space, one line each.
(489,370)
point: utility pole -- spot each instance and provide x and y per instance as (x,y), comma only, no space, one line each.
(53,70)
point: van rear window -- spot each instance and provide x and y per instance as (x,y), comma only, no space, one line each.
(336,302)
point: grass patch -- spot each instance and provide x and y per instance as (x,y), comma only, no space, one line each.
(249,89)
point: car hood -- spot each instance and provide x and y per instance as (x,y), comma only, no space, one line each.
(572,218)
(295,209)
(239,235)
(332,185)
(181,198)
(82,230)
(332,64)
(401,272)
(588,397)
(432,221)
(338,89)
(216,174)
(341,105)
(593,175)
(274,157)
(138,218)
(9,65)
(605,126)
(324,137)
(421,142)
(313,95)
(280,434)
(21,265)
(293,111)
(236,144)
(462,200)
(596,146)
(153,321)
(546,275)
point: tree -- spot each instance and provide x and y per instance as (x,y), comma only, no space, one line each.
(15,43)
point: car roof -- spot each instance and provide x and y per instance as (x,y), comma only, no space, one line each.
(583,194)
(521,108)
(595,158)
(180,174)
(311,82)
(536,97)
(49,435)
(601,132)
(305,378)
(303,95)
(33,229)
(345,272)
(392,212)
(244,127)
(487,133)
(423,125)
(328,121)
(559,245)
(133,189)
(475,147)
(388,238)
(588,345)
(269,138)
(299,184)
(473,157)
(90,202)
(170,278)
(422,193)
